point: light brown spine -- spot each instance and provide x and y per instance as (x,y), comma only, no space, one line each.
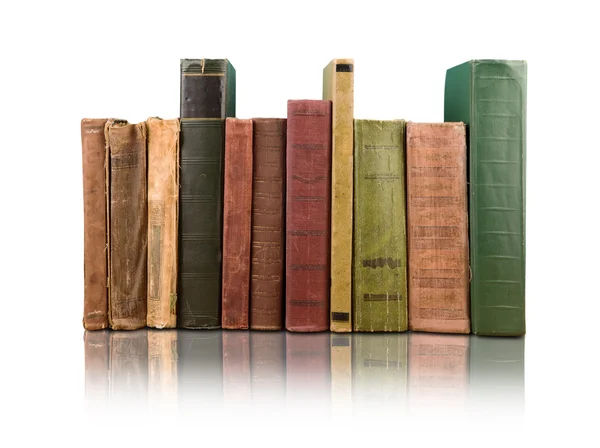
(438,245)
(163,218)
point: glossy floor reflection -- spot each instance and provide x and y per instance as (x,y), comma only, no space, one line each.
(185,369)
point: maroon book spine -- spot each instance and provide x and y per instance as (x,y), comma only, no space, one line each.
(308,193)
(237,212)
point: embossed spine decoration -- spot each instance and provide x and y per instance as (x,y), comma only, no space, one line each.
(163,211)
(379,242)
(438,242)
(207,98)
(128,241)
(338,86)
(308,202)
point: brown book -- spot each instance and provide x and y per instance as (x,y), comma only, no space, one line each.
(236,368)
(268,224)
(128,218)
(162,369)
(95,297)
(438,244)
(163,218)
(96,353)
(237,210)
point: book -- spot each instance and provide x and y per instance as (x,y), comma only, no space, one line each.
(341,370)
(207,98)
(162,369)
(268,368)
(490,97)
(308,204)
(163,219)
(96,346)
(237,214)
(128,367)
(438,239)
(338,87)
(128,229)
(95,293)
(236,368)
(268,224)
(379,240)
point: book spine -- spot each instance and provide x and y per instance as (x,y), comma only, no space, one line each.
(128,368)
(163,211)
(490,97)
(267,367)
(236,368)
(268,223)
(438,240)
(96,355)
(207,98)
(237,213)
(308,204)
(338,86)
(379,265)
(162,369)
(128,243)
(95,293)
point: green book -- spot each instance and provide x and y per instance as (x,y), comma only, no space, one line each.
(379,243)
(490,97)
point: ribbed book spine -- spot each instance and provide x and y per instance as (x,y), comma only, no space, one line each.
(379,265)
(268,224)
(207,98)
(308,207)
(490,96)
(338,87)
(237,214)
(438,239)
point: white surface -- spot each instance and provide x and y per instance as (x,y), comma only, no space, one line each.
(63,62)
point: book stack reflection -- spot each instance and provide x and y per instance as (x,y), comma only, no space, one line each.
(209,370)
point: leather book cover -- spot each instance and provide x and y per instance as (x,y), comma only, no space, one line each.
(341,370)
(490,97)
(379,248)
(163,213)
(96,354)
(200,370)
(268,224)
(380,370)
(95,293)
(236,368)
(438,371)
(308,224)
(129,368)
(338,87)
(267,367)
(237,214)
(207,98)
(438,239)
(128,230)
(308,369)
(162,369)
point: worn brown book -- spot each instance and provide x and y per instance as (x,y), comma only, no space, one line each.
(163,218)
(268,224)
(95,297)
(128,223)
(237,214)
(96,355)
(162,369)
(438,242)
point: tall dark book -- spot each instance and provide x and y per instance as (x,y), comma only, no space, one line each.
(490,96)
(207,98)
(308,207)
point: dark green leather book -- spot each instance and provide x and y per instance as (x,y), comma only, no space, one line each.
(490,97)
(379,241)
(207,98)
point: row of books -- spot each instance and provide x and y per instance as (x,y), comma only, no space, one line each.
(191,368)
(317,221)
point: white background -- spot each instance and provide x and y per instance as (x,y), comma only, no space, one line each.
(62,62)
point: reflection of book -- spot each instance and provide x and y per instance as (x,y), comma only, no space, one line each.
(128,367)
(379,371)
(267,367)
(236,367)
(162,368)
(96,346)
(341,370)
(438,369)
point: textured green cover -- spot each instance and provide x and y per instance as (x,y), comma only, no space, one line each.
(490,96)
(379,243)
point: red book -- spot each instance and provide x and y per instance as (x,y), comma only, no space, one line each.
(308,193)
(237,213)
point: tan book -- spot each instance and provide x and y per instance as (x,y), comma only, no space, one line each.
(163,219)
(438,242)
(162,369)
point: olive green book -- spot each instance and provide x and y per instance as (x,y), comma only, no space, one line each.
(379,287)
(490,97)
